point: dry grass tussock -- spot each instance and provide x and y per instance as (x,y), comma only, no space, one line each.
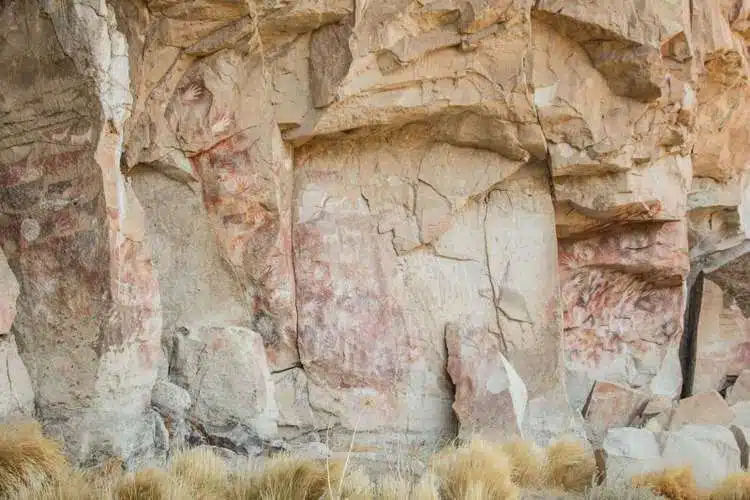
(569,466)
(29,462)
(734,487)
(32,467)
(677,483)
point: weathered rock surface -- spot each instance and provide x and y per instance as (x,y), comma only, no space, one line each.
(225,373)
(711,451)
(17,398)
(722,343)
(399,219)
(611,405)
(740,390)
(16,392)
(491,398)
(706,408)
(629,452)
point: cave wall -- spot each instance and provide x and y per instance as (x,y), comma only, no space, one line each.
(274,224)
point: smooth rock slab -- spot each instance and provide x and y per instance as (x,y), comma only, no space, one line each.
(629,452)
(8,295)
(226,374)
(706,408)
(740,391)
(711,450)
(16,392)
(722,340)
(490,398)
(170,399)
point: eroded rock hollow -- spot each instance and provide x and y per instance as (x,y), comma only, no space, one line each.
(289,224)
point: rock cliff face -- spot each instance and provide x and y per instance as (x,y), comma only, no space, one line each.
(274,223)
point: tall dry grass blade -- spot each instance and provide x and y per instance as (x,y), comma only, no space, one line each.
(569,466)
(393,487)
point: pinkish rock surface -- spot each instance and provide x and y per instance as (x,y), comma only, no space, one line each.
(611,405)
(491,398)
(315,190)
(707,408)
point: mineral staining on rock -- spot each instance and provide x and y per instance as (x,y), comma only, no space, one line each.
(258,224)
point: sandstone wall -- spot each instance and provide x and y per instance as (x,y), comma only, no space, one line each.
(275,224)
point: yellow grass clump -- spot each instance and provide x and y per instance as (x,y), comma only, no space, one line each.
(676,483)
(286,477)
(151,484)
(569,466)
(33,467)
(30,463)
(734,487)
(526,466)
(475,471)
(202,471)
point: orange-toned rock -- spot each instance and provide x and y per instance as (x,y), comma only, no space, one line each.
(611,405)
(491,398)
(707,408)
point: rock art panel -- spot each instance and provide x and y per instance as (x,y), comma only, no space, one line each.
(245,175)
(89,314)
(623,302)
(391,243)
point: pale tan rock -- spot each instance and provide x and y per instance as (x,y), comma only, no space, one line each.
(707,408)
(90,316)
(658,404)
(711,451)
(348,216)
(226,374)
(8,295)
(293,401)
(611,405)
(16,391)
(717,215)
(740,391)
(721,340)
(346,178)
(741,413)
(630,452)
